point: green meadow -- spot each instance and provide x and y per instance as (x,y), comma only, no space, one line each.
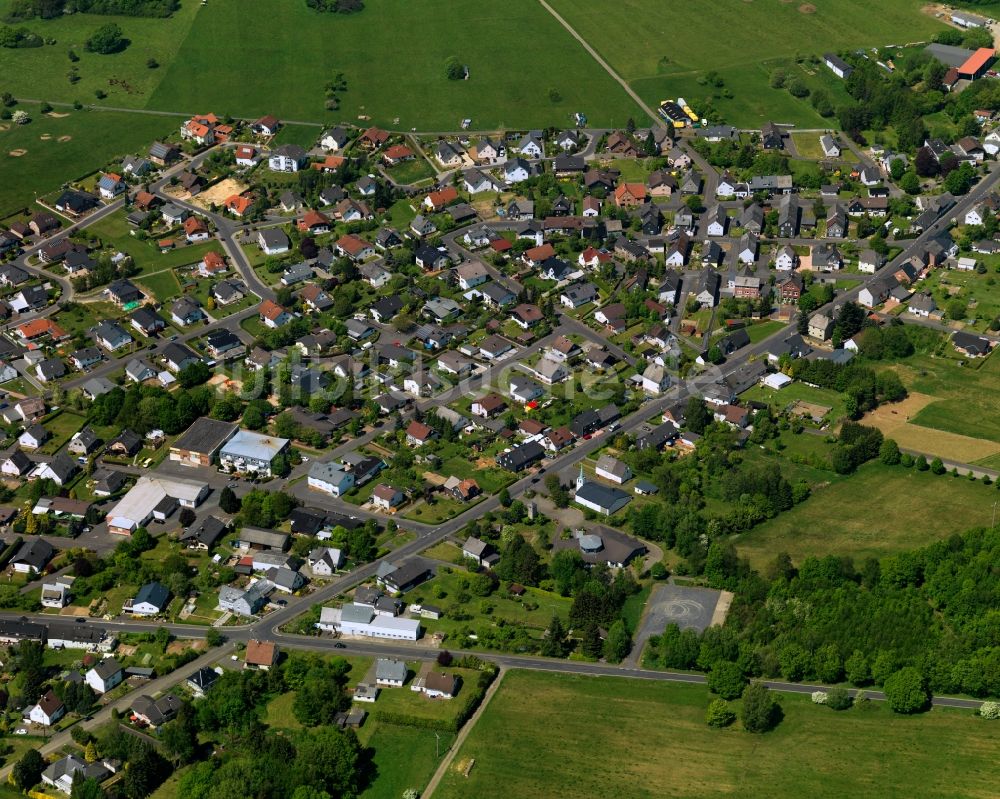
(663,47)
(61,149)
(555,735)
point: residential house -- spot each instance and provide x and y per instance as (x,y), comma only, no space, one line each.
(612,469)
(273,315)
(789,289)
(386,497)
(273,241)
(287,158)
(104,676)
(186,311)
(705,288)
(820,326)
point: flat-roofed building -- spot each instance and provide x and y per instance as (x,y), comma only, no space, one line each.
(363,620)
(248,451)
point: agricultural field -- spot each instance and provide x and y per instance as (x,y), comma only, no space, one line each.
(537,737)
(951,411)
(877,511)
(58,149)
(409,89)
(669,53)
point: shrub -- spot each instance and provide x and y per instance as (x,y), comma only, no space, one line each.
(990,710)
(838,699)
(719,714)
(797,88)
(819,697)
(454,69)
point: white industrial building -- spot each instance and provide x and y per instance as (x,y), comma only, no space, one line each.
(152,497)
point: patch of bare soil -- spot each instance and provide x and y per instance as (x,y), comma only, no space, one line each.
(176,647)
(219,193)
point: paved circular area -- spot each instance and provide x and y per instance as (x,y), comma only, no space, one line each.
(684,612)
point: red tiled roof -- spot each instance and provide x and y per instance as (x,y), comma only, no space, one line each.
(419,431)
(238,204)
(375,136)
(313,219)
(439,199)
(213,261)
(40,327)
(311,292)
(540,253)
(261,653)
(194,225)
(143,199)
(270,310)
(398,151)
(351,244)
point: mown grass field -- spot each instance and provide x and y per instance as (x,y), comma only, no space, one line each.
(405,757)
(162,285)
(875,512)
(393,56)
(565,736)
(95,137)
(662,49)
(966,395)
(525,70)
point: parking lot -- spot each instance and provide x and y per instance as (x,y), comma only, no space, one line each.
(685,606)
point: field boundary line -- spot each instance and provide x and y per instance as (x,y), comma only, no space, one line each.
(604,64)
(154,112)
